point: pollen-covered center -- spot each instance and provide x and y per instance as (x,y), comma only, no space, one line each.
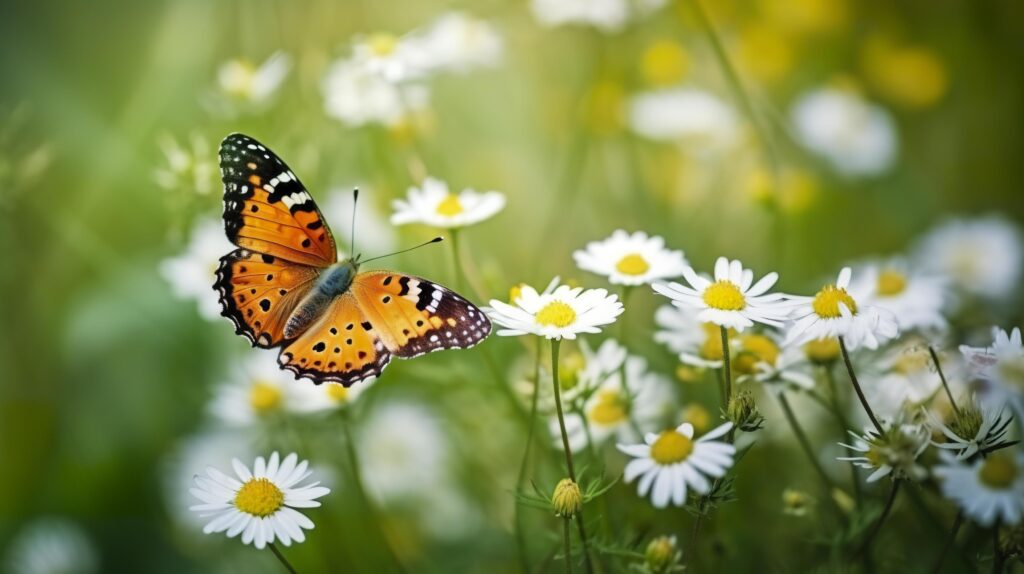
(337,393)
(632,264)
(259,497)
(382,45)
(671,447)
(725,296)
(264,397)
(998,472)
(609,408)
(826,302)
(556,314)
(822,350)
(891,283)
(450,206)
(755,349)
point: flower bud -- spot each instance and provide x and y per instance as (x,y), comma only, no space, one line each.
(567,499)
(661,554)
(743,412)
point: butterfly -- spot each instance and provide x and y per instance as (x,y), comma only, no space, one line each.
(284,286)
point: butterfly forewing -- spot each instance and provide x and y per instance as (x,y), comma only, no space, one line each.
(267,209)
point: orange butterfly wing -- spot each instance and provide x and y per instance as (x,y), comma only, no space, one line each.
(258,292)
(341,346)
(267,209)
(413,316)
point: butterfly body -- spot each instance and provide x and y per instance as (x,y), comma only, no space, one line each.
(284,286)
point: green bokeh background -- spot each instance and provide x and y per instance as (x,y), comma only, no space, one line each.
(103,372)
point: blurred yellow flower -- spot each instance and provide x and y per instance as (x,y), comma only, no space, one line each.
(764,52)
(807,16)
(797,190)
(698,416)
(264,397)
(603,111)
(665,63)
(913,77)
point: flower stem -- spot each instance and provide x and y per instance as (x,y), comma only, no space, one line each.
(942,377)
(856,387)
(280,557)
(950,541)
(357,480)
(866,545)
(567,545)
(521,480)
(457,260)
(998,560)
(801,437)
(555,344)
(727,369)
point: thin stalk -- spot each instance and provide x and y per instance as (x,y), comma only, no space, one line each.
(950,541)
(457,260)
(567,543)
(942,377)
(521,479)
(280,557)
(727,366)
(830,378)
(357,480)
(856,387)
(998,560)
(555,344)
(801,437)
(866,545)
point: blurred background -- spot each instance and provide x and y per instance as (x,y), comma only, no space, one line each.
(796,135)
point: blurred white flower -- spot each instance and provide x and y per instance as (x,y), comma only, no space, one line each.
(999,368)
(894,453)
(982,256)
(373,234)
(457,42)
(612,408)
(915,298)
(679,329)
(836,312)
(671,463)
(51,546)
(989,490)
(357,95)
(432,204)
(605,15)
(759,357)
(904,374)
(684,115)
(631,259)
(190,167)
(395,59)
(732,300)
(259,504)
(192,274)
(854,136)
(563,313)
(241,80)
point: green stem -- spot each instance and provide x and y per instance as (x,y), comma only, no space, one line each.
(950,541)
(567,543)
(866,545)
(457,260)
(805,443)
(942,377)
(521,479)
(837,413)
(856,387)
(280,557)
(727,369)
(998,560)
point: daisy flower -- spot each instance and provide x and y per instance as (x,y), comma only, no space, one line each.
(630,259)
(990,490)
(1000,367)
(685,116)
(671,463)
(394,58)
(982,257)
(241,80)
(975,428)
(893,453)
(458,43)
(432,204)
(561,314)
(916,299)
(259,504)
(732,300)
(356,95)
(836,312)
(758,357)
(188,167)
(192,273)
(679,329)
(905,373)
(51,546)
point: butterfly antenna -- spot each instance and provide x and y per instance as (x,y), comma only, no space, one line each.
(352,229)
(434,240)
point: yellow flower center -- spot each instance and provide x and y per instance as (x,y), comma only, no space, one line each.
(382,45)
(725,296)
(755,349)
(671,447)
(1011,370)
(264,397)
(911,361)
(822,351)
(609,409)
(665,63)
(337,393)
(450,206)
(826,302)
(711,349)
(569,369)
(259,497)
(891,282)
(514,292)
(698,416)
(556,314)
(632,264)
(998,472)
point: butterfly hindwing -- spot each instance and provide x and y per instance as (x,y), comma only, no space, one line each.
(414,316)
(267,209)
(258,292)
(342,347)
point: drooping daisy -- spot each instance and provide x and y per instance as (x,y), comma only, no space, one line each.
(916,299)
(684,116)
(356,95)
(457,42)
(836,312)
(191,273)
(973,428)
(432,204)
(732,300)
(188,167)
(999,368)
(51,545)
(856,137)
(561,314)
(631,259)
(671,463)
(990,490)
(982,256)
(243,81)
(893,453)
(259,504)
